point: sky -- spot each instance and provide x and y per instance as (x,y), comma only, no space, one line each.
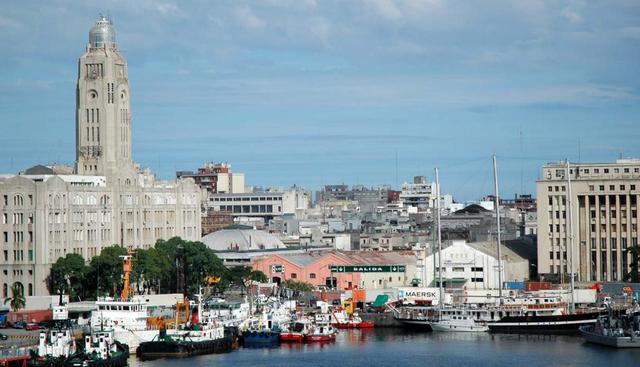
(313,93)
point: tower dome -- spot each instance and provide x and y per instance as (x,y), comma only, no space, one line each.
(102,34)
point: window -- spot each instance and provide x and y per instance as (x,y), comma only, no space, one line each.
(632,187)
(591,188)
(626,170)
(458,268)
(616,170)
(612,187)
(596,170)
(477,280)
(586,170)
(550,255)
(550,188)
(621,187)
(294,276)
(606,170)
(479,268)
(601,187)
(312,276)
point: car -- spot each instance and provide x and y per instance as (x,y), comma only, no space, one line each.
(19,325)
(3,337)
(32,326)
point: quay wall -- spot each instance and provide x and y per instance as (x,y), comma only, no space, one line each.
(382,319)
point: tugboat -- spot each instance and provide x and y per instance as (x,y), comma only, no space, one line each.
(54,347)
(100,350)
(618,332)
(193,339)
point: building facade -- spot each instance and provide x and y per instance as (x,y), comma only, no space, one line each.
(46,214)
(216,178)
(604,221)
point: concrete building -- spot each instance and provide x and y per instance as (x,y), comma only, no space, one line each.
(46,213)
(604,201)
(474,265)
(216,178)
(264,204)
(419,194)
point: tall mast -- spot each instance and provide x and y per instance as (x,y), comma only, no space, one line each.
(569,233)
(439,239)
(497,204)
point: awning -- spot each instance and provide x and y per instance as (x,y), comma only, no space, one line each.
(381,300)
(454,280)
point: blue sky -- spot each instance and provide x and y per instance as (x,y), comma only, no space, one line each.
(318,92)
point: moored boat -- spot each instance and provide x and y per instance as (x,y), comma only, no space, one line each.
(615,331)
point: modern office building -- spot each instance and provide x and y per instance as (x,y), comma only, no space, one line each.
(604,219)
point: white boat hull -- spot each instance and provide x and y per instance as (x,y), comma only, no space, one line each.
(438,326)
(133,338)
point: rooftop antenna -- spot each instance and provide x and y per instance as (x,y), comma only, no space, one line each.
(579,151)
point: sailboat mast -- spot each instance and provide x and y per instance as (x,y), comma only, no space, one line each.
(569,231)
(439,239)
(497,204)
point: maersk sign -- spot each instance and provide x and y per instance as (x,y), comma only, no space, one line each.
(368,268)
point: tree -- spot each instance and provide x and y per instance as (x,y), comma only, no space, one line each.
(298,286)
(244,275)
(67,275)
(105,274)
(17,300)
(633,275)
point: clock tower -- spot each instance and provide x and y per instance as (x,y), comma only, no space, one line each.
(103,111)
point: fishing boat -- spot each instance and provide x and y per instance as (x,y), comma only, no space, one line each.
(321,330)
(295,331)
(341,320)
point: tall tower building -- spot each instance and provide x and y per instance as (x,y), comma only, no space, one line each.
(103,113)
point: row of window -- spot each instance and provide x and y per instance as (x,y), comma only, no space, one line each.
(18,236)
(265,198)
(18,255)
(18,200)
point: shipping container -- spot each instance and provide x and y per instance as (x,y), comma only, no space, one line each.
(29,316)
(537,286)
(513,285)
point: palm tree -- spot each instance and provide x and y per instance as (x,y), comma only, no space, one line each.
(17,300)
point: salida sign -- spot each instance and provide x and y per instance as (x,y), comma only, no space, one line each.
(368,268)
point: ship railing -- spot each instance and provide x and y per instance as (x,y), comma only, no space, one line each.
(14,353)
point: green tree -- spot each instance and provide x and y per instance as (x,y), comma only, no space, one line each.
(67,275)
(298,286)
(244,275)
(105,274)
(634,274)
(17,300)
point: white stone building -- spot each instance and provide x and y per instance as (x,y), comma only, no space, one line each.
(474,265)
(46,213)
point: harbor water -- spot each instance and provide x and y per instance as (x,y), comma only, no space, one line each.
(400,348)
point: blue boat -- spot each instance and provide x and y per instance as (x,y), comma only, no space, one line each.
(264,336)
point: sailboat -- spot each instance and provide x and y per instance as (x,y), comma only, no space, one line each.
(542,320)
(450,318)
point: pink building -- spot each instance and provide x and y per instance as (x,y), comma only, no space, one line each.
(315,268)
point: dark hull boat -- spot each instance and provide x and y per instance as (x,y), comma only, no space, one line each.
(552,324)
(171,348)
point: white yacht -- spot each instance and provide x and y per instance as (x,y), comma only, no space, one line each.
(458,320)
